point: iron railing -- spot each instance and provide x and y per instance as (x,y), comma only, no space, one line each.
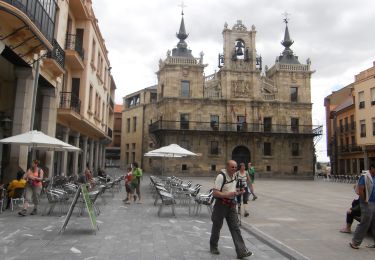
(70,101)
(349,148)
(57,54)
(235,127)
(74,43)
(42,13)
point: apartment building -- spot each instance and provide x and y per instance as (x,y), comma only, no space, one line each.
(138,109)
(346,156)
(113,151)
(54,48)
(364,96)
(350,124)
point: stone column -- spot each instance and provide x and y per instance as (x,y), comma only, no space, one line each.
(48,124)
(84,152)
(100,155)
(96,162)
(21,120)
(76,154)
(103,158)
(91,155)
(365,158)
(65,154)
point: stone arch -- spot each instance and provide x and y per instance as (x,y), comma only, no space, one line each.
(241,154)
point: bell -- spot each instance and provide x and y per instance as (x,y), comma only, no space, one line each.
(239,46)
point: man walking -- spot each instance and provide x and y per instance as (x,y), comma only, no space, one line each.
(366,192)
(225,207)
(251,171)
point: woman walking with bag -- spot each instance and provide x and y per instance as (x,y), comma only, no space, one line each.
(33,177)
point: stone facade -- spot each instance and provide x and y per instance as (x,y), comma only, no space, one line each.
(238,113)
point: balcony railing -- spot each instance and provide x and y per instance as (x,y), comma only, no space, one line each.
(234,127)
(70,101)
(57,54)
(42,13)
(349,149)
(74,43)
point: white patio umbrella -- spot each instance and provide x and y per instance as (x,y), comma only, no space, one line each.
(172,150)
(169,151)
(40,141)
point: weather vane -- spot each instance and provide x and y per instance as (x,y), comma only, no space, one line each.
(286,14)
(182,5)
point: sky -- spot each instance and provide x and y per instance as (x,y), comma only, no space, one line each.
(337,35)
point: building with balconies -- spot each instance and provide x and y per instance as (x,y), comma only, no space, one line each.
(350,121)
(113,150)
(32,64)
(364,96)
(54,77)
(346,156)
(238,113)
(85,111)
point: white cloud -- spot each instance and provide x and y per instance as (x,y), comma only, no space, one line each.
(337,36)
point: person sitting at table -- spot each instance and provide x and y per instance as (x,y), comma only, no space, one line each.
(19,182)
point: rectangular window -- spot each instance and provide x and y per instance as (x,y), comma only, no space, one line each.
(184,121)
(361,99)
(185,88)
(184,167)
(127,158)
(373,126)
(346,124)
(294,124)
(372,90)
(241,123)
(214,121)
(268,168)
(90,98)
(267,124)
(215,147)
(341,126)
(352,123)
(293,94)
(267,149)
(128,125)
(127,146)
(353,140)
(93,50)
(134,123)
(133,146)
(133,157)
(213,167)
(295,149)
(363,128)
(295,169)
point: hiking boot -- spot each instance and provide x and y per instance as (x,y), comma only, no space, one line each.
(22,212)
(246,214)
(214,251)
(34,212)
(245,254)
(135,198)
(254,197)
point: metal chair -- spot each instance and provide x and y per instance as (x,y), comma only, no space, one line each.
(18,197)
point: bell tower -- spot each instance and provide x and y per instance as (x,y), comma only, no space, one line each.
(239,64)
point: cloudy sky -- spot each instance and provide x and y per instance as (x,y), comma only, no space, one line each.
(337,35)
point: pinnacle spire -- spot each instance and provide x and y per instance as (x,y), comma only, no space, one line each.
(287,55)
(181,49)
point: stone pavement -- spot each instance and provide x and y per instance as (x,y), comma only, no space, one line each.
(126,232)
